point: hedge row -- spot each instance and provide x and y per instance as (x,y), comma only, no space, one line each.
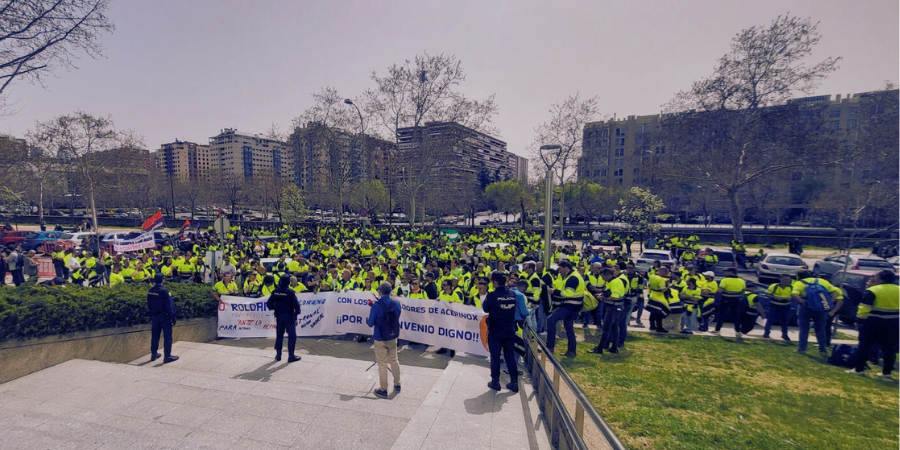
(33,311)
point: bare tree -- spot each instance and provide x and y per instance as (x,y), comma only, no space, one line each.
(734,127)
(566,130)
(39,36)
(418,91)
(90,147)
(322,136)
(231,189)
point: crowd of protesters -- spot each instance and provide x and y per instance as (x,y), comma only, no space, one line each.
(428,264)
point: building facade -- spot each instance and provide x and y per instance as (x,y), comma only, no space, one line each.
(631,151)
(184,161)
(249,156)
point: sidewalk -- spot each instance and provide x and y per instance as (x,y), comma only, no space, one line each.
(234,397)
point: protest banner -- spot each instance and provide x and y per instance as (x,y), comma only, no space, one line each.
(141,242)
(449,325)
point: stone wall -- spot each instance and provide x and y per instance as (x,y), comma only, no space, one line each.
(22,357)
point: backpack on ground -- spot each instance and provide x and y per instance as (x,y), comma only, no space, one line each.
(843,355)
(389,325)
(817,297)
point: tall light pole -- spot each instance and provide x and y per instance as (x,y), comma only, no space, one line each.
(548,208)
(365,168)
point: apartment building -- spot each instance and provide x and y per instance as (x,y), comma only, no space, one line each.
(249,156)
(185,161)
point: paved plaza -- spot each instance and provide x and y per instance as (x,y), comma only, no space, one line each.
(236,396)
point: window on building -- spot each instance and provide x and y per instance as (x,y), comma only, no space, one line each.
(620,162)
(852,124)
(834,124)
(618,131)
(853,113)
(619,181)
(618,172)
(603,173)
(834,113)
(620,152)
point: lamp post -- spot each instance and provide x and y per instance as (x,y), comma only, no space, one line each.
(548,208)
(365,168)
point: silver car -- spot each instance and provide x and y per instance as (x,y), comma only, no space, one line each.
(645,261)
(827,266)
(773,266)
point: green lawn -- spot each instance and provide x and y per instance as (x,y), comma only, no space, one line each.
(711,393)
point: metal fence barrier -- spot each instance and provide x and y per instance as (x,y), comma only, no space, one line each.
(564,404)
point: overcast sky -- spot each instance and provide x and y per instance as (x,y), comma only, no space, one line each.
(188,68)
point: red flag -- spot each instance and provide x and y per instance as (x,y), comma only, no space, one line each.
(155,221)
(220,212)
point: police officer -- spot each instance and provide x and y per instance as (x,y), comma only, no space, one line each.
(283,302)
(501,307)
(162,314)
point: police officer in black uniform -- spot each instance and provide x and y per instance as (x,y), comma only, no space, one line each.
(501,307)
(283,302)
(162,314)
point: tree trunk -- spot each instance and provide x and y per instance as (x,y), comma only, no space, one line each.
(412,210)
(41,204)
(341,205)
(737,215)
(768,235)
(94,217)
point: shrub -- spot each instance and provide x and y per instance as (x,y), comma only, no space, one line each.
(33,311)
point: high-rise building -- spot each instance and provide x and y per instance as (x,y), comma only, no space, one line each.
(450,160)
(249,156)
(184,161)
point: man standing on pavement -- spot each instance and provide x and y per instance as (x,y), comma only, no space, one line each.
(162,315)
(568,301)
(731,291)
(780,295)
(501,308)
(878,316)
(820,317)
(283,302)
(384,317)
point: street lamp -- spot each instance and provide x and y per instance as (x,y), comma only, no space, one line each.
(548,208)
(365,168)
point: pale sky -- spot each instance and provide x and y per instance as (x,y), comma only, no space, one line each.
(188,68)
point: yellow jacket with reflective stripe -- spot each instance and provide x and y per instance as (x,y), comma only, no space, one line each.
(886,304)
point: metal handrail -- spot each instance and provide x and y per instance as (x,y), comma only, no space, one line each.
(574,428)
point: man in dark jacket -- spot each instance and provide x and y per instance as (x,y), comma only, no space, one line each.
(283,303)
(501,308)
(162,314)
(385,344)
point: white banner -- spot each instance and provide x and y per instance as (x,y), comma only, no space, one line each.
(132,245)
(449,325)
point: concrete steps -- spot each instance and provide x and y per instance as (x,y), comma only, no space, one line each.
(219,396)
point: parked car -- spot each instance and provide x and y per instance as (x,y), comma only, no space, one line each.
(39,238)
(853,282)
(113,237)
(10,239)
(773,266)
(646,259)
(726,260)
(77,237)
(827,266)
